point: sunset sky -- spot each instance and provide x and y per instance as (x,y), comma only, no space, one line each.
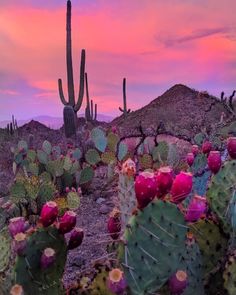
(153,43)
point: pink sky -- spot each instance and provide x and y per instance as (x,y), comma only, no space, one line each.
(154,44)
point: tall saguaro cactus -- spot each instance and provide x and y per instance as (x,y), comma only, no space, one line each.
(90,111)
(71,103)
(124,110)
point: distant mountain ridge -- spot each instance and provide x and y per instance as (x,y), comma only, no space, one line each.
(52,122)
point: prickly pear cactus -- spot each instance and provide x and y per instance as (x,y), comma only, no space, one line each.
(212,243)
(221,191)
(112,140)
(127,198)
(229,275)
(28,271)
(200,183)
(5,249)
(160,152)
(108,158)
(191,262)
(145,162)
(99,284)
(154,242)
(92,157)
(199,164)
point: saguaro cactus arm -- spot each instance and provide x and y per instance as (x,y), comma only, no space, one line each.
(87,97)
(124,110)
(62,97)
(81,86)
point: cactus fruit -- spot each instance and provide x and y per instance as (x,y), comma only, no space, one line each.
(114,224)
(196,208)
(164,178)
(190,159)
(116,281)
(154,241)
(231,147)
(16,225)
(145,188)
(49,213)
(67,222)
(19,243)
(181,187)
(206,147)
(214,161)
(76,238)
(178,282)
(48,258)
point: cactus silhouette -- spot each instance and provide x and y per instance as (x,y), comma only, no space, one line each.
(124,110)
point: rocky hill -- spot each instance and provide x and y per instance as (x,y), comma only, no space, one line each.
(182,110)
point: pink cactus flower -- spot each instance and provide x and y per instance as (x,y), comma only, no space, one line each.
(116,282)
(48,258)
(178,282)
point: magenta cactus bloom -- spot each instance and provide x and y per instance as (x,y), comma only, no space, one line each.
(178,282)
(116,282)
(206,147)
(49,213)
(164,178)
(196,208)
(146,188)
(76,238)
(231,147)
(16,225)
(190,159)
(195,149)
(48,258)
(17,290)
(67,222)
(114,224)
(181,187)
(19,243)
(214,161)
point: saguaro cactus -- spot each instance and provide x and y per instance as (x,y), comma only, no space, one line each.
(90,111)
(70,79)
(124,110)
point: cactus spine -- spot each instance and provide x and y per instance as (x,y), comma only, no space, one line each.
(70,79)
(90,111)
(124,110)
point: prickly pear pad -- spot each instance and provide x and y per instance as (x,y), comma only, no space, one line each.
(154,243)
(28,272)
(220,192)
